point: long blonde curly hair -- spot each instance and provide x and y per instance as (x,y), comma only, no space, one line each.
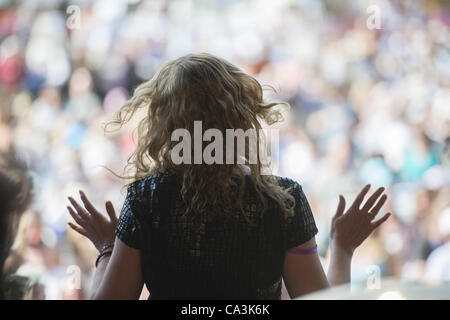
(202,87)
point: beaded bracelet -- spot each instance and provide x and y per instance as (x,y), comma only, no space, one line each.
(101,255)
(106,246)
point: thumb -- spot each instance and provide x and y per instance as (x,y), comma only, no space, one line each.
(111,212)
(341,207)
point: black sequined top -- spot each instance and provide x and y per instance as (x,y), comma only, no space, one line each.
(211,258)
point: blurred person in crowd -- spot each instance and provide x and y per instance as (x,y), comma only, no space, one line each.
(437,268)
(212,230)
(15,197)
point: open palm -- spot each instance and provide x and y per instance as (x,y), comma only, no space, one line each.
(350,229)
(91,223)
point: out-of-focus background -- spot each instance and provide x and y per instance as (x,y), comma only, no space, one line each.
(368,82)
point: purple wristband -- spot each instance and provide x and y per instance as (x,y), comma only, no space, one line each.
(303,251)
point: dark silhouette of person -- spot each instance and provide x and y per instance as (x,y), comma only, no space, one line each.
(15,197)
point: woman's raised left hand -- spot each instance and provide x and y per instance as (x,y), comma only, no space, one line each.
(91,223)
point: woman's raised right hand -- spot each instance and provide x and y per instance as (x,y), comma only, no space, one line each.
(350,229)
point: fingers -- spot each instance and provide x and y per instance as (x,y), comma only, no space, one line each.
(88,205)
(378,223)
(378,205)
(111,212)
(82,212)
(341,207)
(78,229)
(369,203)
(77,218)
(357,203)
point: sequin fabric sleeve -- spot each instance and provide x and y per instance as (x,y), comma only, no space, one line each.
(301,227)
(128,227)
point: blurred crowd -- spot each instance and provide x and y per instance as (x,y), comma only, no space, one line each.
(368,105)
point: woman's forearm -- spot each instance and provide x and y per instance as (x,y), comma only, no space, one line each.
(98,276)
(340,266)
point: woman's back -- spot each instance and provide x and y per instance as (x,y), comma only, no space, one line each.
(215,256)
(201,232)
